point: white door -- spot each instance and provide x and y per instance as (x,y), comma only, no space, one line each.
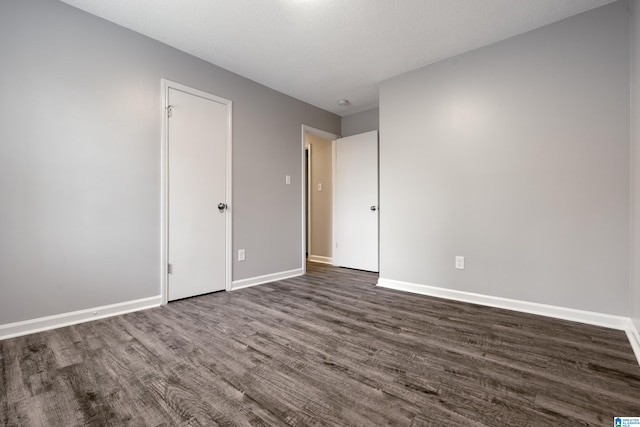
(197,137)
(355,231)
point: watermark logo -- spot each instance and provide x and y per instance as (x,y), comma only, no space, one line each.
(626,422)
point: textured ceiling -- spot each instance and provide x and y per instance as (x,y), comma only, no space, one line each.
(322,50)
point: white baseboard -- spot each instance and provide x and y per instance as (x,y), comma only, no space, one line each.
(321,259)
(634,338)
(11,330)
(589,317)
(259,280)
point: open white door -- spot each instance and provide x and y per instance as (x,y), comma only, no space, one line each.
(355,229)
(197,138)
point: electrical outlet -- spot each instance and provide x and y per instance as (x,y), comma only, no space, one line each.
(241,255)
(460,262)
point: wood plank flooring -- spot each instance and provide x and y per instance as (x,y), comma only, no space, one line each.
(328,348)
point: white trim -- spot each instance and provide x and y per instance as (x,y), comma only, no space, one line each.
(334,153)
(582,316)
(229,196)
(11,330)
(260,280)
(318,132)
(321,259)
(322,134)
(634,339)
(164,183)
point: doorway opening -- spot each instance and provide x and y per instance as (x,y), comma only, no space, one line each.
(317,195)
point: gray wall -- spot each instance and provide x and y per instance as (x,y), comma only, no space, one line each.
(362,122)
(516,157)
(635,162)
(321,201)
(80,161)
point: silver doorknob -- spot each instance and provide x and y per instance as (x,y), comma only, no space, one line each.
(222,207)
(373,208)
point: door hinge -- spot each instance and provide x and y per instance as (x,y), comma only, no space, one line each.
(169,110)
(169,269)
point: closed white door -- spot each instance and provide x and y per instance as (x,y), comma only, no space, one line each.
(355,231)
(197,137)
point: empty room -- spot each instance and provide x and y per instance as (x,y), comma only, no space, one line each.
(320,212)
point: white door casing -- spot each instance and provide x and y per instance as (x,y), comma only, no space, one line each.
(355,219)
(196,238)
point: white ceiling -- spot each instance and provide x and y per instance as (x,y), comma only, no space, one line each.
(322,50)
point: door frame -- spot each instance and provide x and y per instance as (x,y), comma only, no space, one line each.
(164,183)
(306,217)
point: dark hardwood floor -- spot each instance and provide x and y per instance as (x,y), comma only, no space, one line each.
(325,349)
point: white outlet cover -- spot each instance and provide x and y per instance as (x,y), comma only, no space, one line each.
(460,262)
